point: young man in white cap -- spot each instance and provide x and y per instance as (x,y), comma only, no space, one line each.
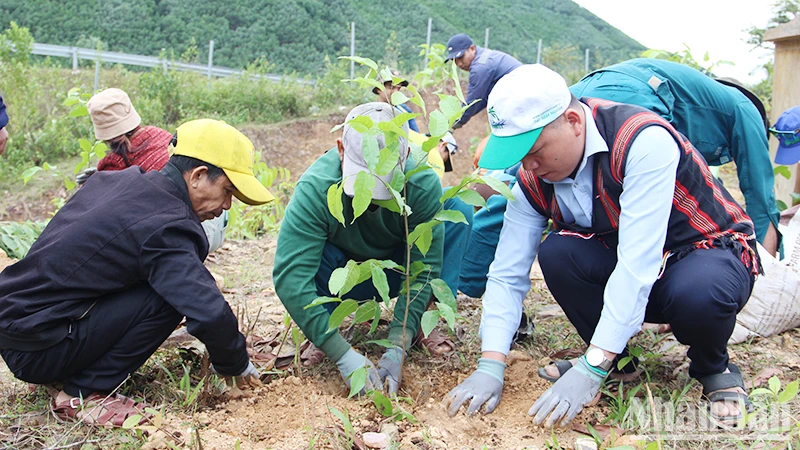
(118,268)
(642,232)
(312,244)
(485,67)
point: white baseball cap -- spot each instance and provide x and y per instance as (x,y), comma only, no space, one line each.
(519,106)
(353,160)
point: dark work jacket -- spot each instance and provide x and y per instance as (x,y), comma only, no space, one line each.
(120,230)
(3,114)
(704,215)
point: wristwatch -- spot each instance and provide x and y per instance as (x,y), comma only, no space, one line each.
(595,357)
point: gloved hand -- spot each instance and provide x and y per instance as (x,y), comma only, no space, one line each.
(485,385)
(353,360)
(84,175)
(567,397)
(390,369)
(248,378)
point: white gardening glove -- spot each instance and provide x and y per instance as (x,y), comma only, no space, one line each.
(484,386)
(568,395)
(350,362)
(390,369)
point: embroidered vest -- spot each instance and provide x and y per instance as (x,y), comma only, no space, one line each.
(704,215)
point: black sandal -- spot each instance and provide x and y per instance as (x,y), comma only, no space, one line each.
(562,365)
(712,384)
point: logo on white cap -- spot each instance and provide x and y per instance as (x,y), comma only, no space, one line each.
(529,97)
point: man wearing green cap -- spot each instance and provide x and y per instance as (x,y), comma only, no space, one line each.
(642,232)
(118,268)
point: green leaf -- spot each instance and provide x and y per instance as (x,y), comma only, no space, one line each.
(789,393)
(358,380)
(369,149)
(417,99)
(443,292)
(69,101)
(131,422)
(456,81)
(380,282)
(375,320)
(341,312)
(451,215)
(383,343)
(321,301)
(774,385)
(361,124)
(336,127)
(80,111)
(430,143)
(100,149)
(365,183)
(438,124)
(86,146)
(391,205)
(335,205)
(498,186)
(365,312)
(783,171)
(352,279)
(424,241)
(402,118)
(387,161)
(342,417)
(761,391)
(417,267)
(383,404)
(29,173)
(398,179)
(781,205)
(451,107)
(448,313)
(362,61)
(471,197)
(392,131)
(429,321)
(398,98)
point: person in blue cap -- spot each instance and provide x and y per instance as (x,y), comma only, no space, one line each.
(787,130)
(3,123)
(485,67)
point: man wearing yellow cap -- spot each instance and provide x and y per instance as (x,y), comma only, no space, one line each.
(118,268)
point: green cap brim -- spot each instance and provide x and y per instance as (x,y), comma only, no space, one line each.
(502,152)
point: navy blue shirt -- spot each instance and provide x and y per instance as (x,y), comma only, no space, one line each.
(120,230)
(486,69)
(3,114)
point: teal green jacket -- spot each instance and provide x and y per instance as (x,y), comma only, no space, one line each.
(718,120)
(308,224)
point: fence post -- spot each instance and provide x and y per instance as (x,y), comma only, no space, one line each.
(486,41)
(74,58)
(352,49)
(539,53)
(428,41)
(96,73)
(210,58)
(587,60)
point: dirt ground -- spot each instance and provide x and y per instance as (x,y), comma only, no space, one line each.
(293,409)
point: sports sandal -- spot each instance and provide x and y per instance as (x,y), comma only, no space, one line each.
(434,342)
(105,410)
(562,365)
(712,385)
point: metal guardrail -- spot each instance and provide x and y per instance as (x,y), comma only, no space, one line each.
(77,53)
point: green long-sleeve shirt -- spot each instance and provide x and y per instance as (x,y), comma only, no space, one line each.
(308,224)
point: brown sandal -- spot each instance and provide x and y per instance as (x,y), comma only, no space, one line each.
(107,410)
(433,343)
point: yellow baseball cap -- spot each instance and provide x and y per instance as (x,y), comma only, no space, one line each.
(217,143)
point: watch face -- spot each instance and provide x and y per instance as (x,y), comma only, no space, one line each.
(595,357)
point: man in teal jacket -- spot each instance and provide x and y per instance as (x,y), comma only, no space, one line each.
(722,120)
(312,244)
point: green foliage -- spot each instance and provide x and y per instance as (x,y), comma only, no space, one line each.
(249,222)
(296,35)
(16,238)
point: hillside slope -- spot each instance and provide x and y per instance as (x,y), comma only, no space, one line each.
(296,35)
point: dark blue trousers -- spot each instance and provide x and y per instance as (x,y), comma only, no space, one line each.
(698,295)
(115,338)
